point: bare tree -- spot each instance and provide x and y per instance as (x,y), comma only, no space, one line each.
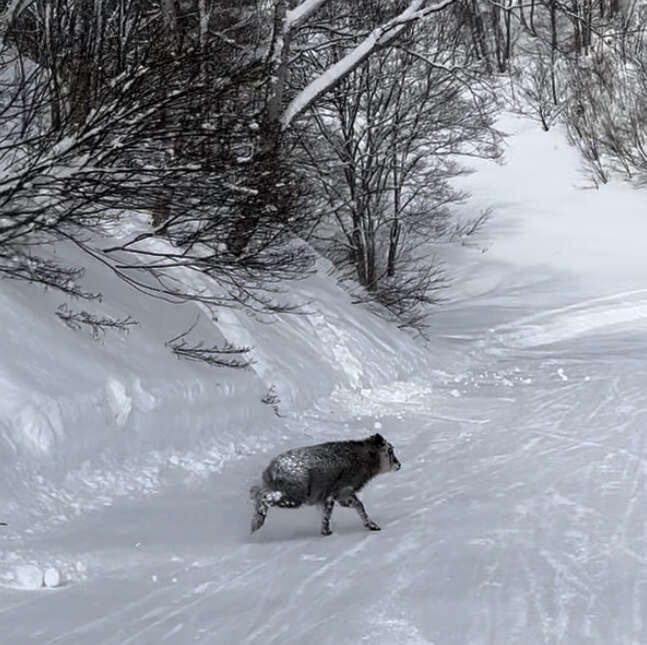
(536,86)
(77,174)
(382,149)
(183,117)
(606,113)
(269,165)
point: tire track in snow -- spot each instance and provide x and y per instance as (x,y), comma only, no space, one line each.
(564,323)
(635,480)
(565,611)
(191,601)
(619,412)
(121,613)
(296,595)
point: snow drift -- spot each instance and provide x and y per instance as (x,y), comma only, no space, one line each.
(85,420)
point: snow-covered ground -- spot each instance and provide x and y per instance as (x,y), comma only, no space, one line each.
(519,513)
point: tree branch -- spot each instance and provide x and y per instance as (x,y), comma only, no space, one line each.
(379,38)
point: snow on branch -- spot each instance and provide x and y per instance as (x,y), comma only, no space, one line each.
(297,16)
(379,38)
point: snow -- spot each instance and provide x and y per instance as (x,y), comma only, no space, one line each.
(28,576)
(297,16)
(119,404)
(518,515)
(52,577)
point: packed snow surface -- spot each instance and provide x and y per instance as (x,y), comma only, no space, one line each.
(519,515)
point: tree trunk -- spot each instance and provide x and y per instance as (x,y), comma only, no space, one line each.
(508,33)
(395,230)
(522,15)
(266,172)
(532,17)
(553,49)
(479,29)
(577,33)
(496,30)
(394,243)
(358,253)
(371,256)
(162,209)
(588,25)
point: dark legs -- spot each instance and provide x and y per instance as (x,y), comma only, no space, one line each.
(349,501)
(326,511)
(353,501)
(263,499)
(259,518)
(260,507)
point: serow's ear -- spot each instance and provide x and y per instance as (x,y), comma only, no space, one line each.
(378,439)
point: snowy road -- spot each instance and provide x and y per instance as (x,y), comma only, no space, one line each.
(520,516)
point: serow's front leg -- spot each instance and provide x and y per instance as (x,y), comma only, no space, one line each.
(326,512)
(368,523)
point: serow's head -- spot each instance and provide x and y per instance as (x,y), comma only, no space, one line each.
(388,460)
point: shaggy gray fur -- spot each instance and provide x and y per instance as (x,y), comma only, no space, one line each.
(323,474)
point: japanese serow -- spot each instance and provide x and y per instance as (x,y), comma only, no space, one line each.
(323,474)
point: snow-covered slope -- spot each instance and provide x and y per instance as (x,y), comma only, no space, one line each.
(85,420)
(518,516)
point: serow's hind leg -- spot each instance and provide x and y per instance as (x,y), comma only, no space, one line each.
(260,508)
(326,512)
(263,499)
(353,501)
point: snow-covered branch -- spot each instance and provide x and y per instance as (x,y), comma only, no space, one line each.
(379,38)
(297,16)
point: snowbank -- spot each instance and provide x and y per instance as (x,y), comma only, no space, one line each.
(331,345)
(85,420)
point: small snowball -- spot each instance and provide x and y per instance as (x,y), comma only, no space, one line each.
(377,425)
(455,393)
(28,576)
(52,577)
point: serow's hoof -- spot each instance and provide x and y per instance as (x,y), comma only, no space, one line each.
(326,532)
(372,526)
